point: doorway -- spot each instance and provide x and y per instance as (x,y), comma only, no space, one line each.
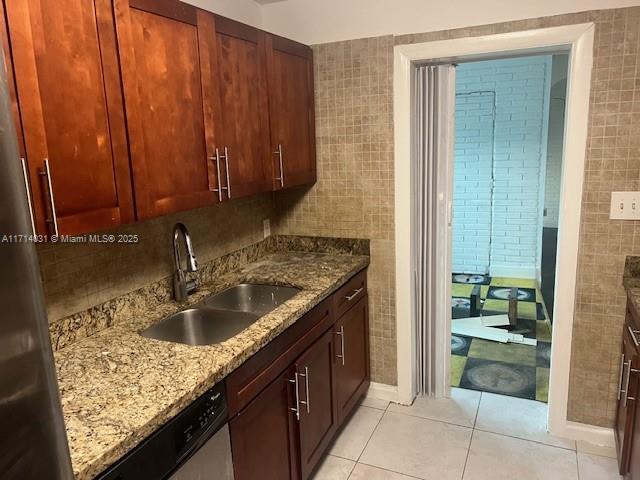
(577,42)
(507,171)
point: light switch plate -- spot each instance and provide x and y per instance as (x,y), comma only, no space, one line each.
(625,206)
(266,224)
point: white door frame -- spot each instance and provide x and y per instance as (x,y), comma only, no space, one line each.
(577,41)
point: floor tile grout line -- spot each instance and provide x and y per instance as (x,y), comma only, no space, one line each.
(431,419)
(371,436)
(524,439)
(578,465)
(475,419)
(389,470)
(466,459)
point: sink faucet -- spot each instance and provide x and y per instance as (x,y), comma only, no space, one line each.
(181,287)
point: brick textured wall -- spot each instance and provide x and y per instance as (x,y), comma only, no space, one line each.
(472,180)
(508,145)
(354,103)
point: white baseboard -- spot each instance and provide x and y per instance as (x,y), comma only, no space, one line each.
(601,436)
(512,272)
(382,391)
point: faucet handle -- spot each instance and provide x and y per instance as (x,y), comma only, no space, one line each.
(192,286)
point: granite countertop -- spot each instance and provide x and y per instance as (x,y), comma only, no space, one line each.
(118,387)
(631,280)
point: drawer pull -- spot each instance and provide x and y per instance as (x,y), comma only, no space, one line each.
(307,401)
(633,335)
(297,407)
(354,294)
(341,335)
(622,364)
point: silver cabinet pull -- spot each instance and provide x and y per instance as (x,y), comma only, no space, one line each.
(226,162)
(622,364)
(297,407)
(633,335)
(281,177)
(307,401)
(216,158)
(54,218)
(341,335)
(25,174)
(354,294)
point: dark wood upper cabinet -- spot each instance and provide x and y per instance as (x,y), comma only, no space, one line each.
(317,402)
(291,112)
(263,435)
(352,357)
(8,65)
(167,54)
(243,120)
(68,84)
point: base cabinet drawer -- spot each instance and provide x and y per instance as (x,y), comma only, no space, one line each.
(351,336)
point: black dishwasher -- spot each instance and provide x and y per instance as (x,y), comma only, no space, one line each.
(194,445)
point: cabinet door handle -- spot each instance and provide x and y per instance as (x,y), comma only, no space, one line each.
(296,409)
(216,158)
(281,177)
(354,294)
(226,163)
(54,219)
(622,365)
(633,336)
(341,335)
(25,174)
(307,401)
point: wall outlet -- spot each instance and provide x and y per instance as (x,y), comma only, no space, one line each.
(266,224)
(625,206)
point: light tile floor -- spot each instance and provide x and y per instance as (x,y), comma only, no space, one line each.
(472,436)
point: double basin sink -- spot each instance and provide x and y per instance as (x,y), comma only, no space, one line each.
(221,316)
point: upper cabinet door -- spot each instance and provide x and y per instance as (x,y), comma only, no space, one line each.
(167,55)
(67,72)
(291,112)
(243,138)
(8,66)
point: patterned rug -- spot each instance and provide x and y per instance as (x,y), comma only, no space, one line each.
(507,369)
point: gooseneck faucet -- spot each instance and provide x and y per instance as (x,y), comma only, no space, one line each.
(181,287)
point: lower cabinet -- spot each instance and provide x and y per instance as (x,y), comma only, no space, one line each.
(263,434)
(352,357)
(317,401)
(627,425)
(294,394)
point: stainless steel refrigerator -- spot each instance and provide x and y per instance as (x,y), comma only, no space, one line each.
(33,442)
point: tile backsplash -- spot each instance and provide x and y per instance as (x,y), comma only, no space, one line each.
(79,276)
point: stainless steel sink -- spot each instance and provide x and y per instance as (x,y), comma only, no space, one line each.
(251,298)
(200,326)
(221,316)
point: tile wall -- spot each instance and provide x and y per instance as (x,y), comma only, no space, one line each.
(77,277)
(354,193)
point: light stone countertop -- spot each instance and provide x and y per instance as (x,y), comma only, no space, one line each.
(118,387)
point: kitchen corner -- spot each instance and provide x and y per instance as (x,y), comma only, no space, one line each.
(117,387)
